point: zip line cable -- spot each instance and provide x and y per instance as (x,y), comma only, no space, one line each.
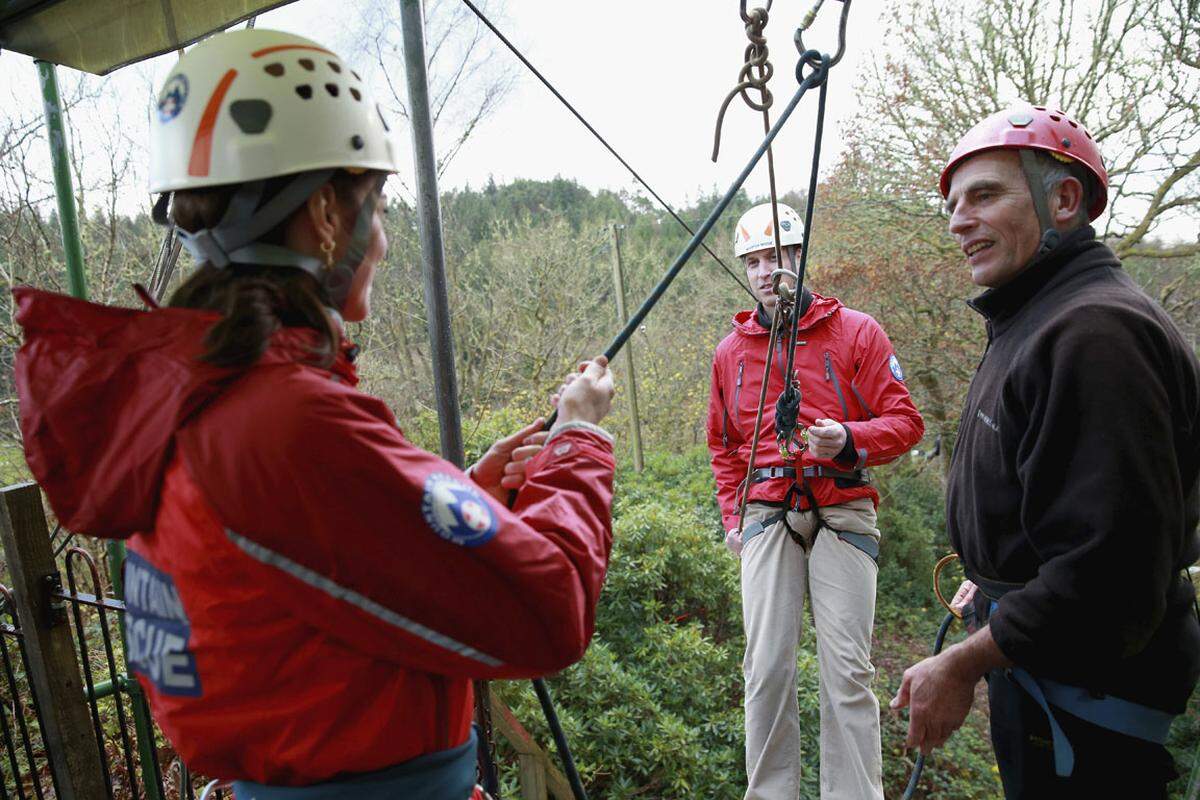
(666,206)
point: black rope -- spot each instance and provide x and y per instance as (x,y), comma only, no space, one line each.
(938,642)
(666,206)
(787,408)
(560,739)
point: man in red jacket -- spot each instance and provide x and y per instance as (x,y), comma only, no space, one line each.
(810,515)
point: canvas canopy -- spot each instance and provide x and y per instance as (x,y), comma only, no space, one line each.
(99,36)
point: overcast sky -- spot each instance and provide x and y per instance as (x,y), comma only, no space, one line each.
(648,74)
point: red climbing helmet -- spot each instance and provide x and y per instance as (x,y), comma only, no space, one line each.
(1034,128)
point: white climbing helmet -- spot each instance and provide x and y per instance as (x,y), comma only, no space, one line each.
(252,104)
(756,229)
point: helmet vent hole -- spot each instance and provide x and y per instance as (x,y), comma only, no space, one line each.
(1085,133)
(304,91)
(251,116)
(355,74)
(332,88)
(1056,117)
(356,142)
(355,93)
(308,64)
(275,69)
(336,67)
(1038,108)
(1071,122)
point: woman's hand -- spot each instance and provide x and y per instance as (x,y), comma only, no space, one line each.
(502,468)
(586,395)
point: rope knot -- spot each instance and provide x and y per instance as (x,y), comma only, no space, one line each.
(756,71)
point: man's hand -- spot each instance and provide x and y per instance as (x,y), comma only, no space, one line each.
(939,690)
(938,700)
(502,468)
(733,540)
(963,597)
(826,438)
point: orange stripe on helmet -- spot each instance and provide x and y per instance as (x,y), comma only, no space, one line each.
(268,50)
(201,158)
(745,233)
(770,231)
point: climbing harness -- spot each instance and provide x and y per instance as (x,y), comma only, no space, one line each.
(636,176)
(1104,711)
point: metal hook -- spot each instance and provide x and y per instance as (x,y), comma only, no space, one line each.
(781,289)
(808,20)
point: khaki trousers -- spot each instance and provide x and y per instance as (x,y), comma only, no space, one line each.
(840,578)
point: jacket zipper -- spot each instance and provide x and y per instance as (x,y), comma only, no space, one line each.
(737,391)
(837,387)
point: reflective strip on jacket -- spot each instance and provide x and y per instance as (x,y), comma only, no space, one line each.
(312,594)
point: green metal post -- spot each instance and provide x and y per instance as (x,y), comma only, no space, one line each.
(68,218)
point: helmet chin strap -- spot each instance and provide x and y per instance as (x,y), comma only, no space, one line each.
(234,240)
(338,279)
(1034,176)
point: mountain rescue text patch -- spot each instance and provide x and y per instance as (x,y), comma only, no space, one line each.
(157,629)
(457,512)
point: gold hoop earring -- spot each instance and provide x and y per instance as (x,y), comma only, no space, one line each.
(327,249)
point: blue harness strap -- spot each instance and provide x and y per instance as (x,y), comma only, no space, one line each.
(445,775)
(1108,712)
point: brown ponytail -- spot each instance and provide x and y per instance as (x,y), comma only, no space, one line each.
(255,301)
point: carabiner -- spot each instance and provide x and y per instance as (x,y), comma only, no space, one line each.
(808,20)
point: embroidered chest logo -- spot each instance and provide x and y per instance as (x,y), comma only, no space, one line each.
(158,630)
(457,512)
(986,420)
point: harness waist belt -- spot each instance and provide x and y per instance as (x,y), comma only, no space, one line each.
(1105,711)
(818,471)
(445,775)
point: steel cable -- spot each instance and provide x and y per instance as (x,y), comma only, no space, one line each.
(545,82)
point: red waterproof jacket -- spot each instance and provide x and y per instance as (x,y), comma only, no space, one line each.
(308,594)
(847,371)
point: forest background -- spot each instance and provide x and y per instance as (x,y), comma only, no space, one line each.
(654,710)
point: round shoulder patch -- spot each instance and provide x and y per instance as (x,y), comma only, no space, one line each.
(894,366)
(457,512)
(173,97)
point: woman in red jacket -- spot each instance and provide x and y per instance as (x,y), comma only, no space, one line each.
(309,595)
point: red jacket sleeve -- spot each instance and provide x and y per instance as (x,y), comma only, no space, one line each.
(894,425)
(724,443)
(396,552)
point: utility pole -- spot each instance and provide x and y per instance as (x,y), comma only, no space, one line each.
(429,226)
(437,303)
(635,421)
